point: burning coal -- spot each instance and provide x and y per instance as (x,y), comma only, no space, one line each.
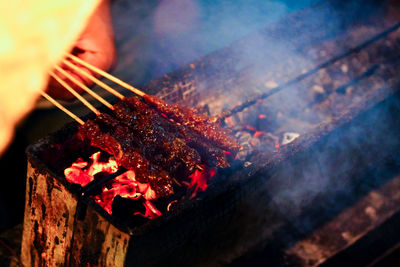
(126,186)
(82,173)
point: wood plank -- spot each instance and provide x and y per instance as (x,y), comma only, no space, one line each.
(48,222)
(96,241)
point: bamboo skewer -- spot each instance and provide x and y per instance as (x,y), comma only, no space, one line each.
(96,96)
(94,79)
(107,75)
(84,87)
(65,110)
(72,91)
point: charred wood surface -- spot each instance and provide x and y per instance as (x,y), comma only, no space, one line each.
(96,241)
(48,221)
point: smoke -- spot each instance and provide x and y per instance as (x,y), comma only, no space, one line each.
(173,33)
(210,25)
(157,37)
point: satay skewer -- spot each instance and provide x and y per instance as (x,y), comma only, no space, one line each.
(97,81)
(94,79)
(62,108)
(107,75)
(206,122)
(84,87)
(76,94)
(70,89)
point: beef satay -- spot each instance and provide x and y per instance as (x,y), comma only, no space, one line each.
(203,125)
(165,147)
(125,152)
(210,155)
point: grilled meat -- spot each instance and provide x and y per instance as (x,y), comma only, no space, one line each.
(201,124)
(109,135)
(162,143)
(165,148)
(184,138)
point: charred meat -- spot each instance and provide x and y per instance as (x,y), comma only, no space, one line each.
(162,143)
(109,135)
(165,148)
(201,124)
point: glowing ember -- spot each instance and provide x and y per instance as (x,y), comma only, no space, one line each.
(227,153)
(79,174)
(262,116)
(199,179)
(251,128)
(258,134)
(171,120)
(151,211)
(170,204)
(124,185)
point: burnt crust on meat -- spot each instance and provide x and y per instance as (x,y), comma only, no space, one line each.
(162,143)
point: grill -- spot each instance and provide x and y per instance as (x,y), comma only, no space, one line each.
(314,183)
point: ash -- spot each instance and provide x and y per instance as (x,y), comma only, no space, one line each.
(318,98)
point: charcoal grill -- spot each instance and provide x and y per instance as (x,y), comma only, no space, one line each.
(278,195)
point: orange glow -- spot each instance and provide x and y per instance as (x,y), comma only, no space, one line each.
(262,116)
(251,128)
(79,174)
(151,211)
(124,185)
(229,122)
(199,179)
(170,204)
(258,134)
